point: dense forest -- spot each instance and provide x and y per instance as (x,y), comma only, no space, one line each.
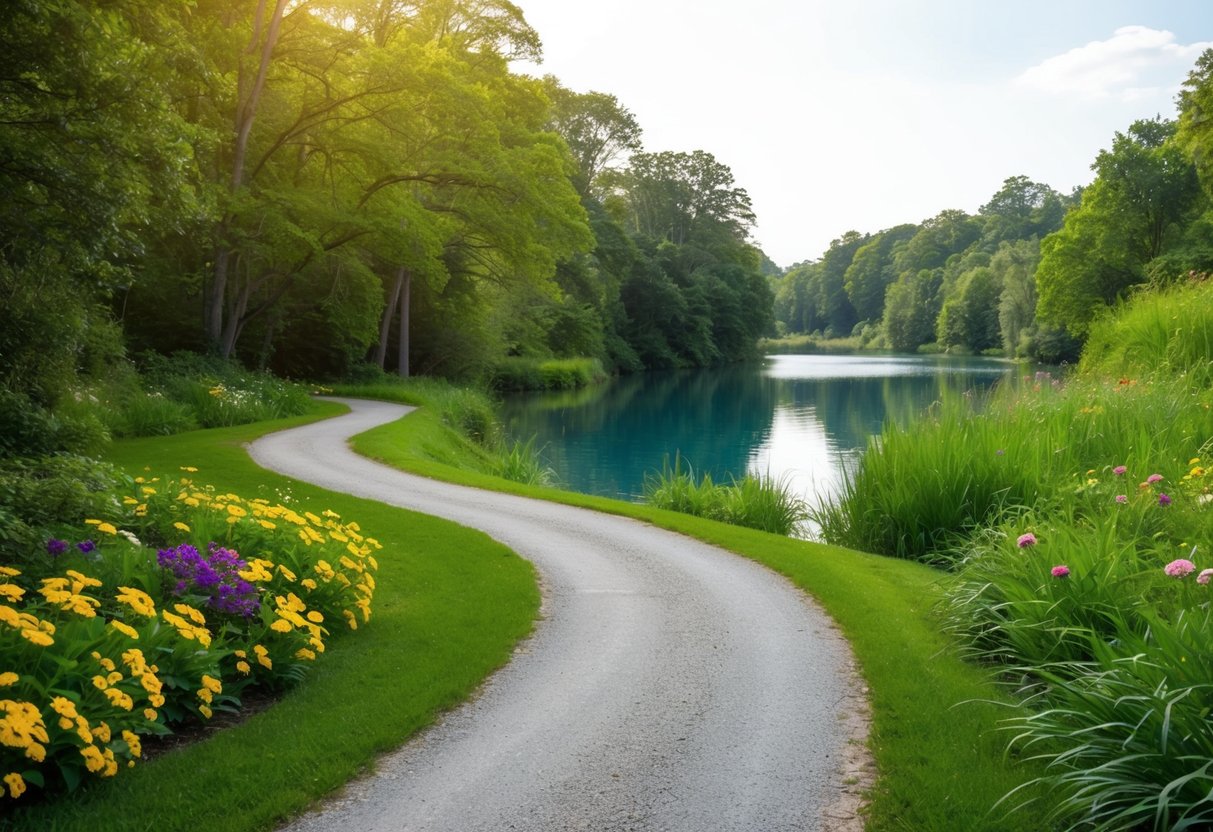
(314,187)
(308,187)
(1027,274)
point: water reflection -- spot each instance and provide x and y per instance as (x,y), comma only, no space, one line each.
(797,416)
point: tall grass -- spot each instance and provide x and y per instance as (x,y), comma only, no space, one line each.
(1169,331)
(921,492)
(756,502)
(521,462)
(1076,516)
(518,373)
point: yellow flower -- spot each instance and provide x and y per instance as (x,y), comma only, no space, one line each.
(148,491)
(212,684)
(132,741)
(8,678)
(92,758)
(100,682)
(308,583)
(304,653)
(281,625)
(243,667)
(137,600)
(107,528)
(1194,460)
(64,707)
(11,591)
(16,785)
(181,526)
(149,714)
(236,511)
(315,617)
(205,695)
(189,469)
(38,637)
(102,732)
(286,573)
(205,711)
(266,524)
(126,629)
(187,610)
(35,752)
(263,657)
(9,572)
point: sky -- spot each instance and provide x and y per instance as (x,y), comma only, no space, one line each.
(865,114)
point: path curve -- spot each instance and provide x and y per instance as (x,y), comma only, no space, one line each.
(670,685)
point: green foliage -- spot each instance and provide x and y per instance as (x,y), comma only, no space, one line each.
(517,373)
(918,492)
(520,462)
(760,502)
(1170,330)
(1145,192)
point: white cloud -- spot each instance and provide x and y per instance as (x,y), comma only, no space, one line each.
(1136,60)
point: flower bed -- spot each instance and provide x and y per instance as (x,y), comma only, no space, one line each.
(160,614)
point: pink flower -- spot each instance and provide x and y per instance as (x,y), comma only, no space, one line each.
(1179,568)
(1153,478)
(1204,577)
(1060,571)
(1122,498)
(1026,540)
(1119,470)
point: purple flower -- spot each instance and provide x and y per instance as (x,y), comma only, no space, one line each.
(1122,498)
(215,576)
(86,546)
(1026,540)
(1060,571)
(1119,470)
(1179,568)
(1153,478)
(1164,500)
(1204,577)
(56,547)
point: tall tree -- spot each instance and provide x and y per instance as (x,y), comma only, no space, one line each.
(595,126)
(1145,191)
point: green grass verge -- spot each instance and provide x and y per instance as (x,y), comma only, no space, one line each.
(449,607)
(935,717)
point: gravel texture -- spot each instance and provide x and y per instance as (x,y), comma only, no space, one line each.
(670,685)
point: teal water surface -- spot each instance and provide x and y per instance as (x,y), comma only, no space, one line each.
(802,417)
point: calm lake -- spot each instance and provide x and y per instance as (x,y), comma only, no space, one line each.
(803,417)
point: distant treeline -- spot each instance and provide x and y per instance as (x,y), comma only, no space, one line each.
(1033,268)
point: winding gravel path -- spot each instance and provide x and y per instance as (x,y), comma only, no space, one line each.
(670,685)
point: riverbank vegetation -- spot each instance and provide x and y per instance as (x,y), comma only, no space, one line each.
(756,502)
(1074,517)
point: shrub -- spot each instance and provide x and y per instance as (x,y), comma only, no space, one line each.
(518,373)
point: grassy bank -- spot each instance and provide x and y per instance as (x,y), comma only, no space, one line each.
(450,605)
(1075,515)
(934,735)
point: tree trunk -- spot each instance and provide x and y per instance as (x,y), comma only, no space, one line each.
(385,322)
(246,111)
(402,349)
